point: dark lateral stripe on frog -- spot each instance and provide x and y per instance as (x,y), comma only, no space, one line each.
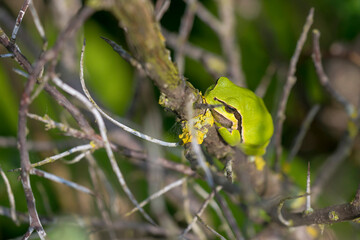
(236,114)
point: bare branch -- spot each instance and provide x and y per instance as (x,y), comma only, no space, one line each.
(117,123)
(38,24)
(148,47)
(229,216)
(160,8)
(228,40)
(54,158)
(57,179)
(220,210)
(303,130)
(324,80)
(265,81)
(158,194)
(186,24)
(99,200)
(328,215)
(11,197)
(200,211)
(19,20)
(213,63)
(290,81)
(103,132)
(210,229)
(207,17)
(52,124)
(329,167)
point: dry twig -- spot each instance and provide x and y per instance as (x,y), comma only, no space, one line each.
(290,81)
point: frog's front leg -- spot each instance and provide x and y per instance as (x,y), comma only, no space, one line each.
(232,138)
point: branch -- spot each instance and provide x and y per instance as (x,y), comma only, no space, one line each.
(186,25)
(148,46)
(346,143)
(228,40)
(106,142)
(213,63)
(25,63)
(324,80)
(290,81)
(329,215)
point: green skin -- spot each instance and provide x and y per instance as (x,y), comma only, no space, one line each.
(243,119)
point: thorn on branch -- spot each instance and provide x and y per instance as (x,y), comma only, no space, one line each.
(308,209)
(124,54)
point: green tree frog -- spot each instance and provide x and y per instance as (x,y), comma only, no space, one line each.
(243,119)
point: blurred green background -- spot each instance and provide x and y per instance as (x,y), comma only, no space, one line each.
(267,33)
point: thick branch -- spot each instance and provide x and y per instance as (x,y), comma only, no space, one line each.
(147,45)
(328,215)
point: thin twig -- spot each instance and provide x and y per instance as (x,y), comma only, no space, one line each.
(38,146)
(61,155)
(122,126)
(74,111)
(265,81)
(158,194)
(45,198)
(24,62)
(324,80)
(160,8)
(19,20)
(7,55)
(331,164)
(106,185)
(303,130)
(99,200)
(213,63)
(229,217)
(201,210)
(38,24)
(52,177)
(74,23)
(77,158)
(228,40)
(290,81)
(280,216)
(186,24)
(210,228)
(14,49)
(25,161)
(207,17)
(103,132)
(219,211)
(22,217)
(69,131)
(11,197)
(343,149)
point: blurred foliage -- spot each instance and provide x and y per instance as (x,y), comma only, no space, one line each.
(269,37)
